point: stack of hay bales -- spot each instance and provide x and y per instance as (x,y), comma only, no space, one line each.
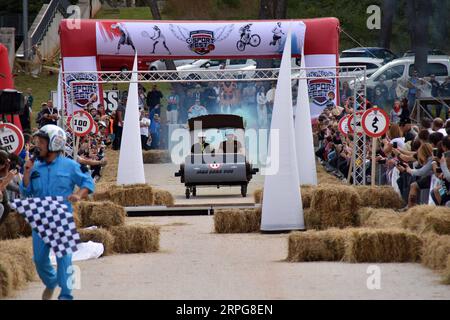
(127,195)
(379,218)
(237,220)
(156,156)
(425,219)
(14,227)
(115,236)
(355,245)
(16,265)
(334,206)
(379,197)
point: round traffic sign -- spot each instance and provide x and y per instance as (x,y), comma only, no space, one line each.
(11,138)
(354,123)
(375,122)
(81,123)
(343,126)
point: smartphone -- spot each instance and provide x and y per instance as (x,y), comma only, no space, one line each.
(435,152)
(382,161)
(447,154)
(394,145)
(438,170)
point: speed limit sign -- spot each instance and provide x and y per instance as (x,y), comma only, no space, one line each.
(343,126)
(354,123)
(375,122)
(81,123)
(11,138)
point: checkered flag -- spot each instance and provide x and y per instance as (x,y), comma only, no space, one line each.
(50,218)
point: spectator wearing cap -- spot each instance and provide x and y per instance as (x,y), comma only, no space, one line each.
(48,114)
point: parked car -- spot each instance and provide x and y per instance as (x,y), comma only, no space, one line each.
(370,52)
(190,71)
(432,52)
(161,65)
(402,69)
(349,64)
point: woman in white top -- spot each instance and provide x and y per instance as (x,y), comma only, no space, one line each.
(261,101)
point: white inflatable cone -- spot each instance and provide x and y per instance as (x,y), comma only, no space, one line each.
(282,204)
(303,132)
(131,165)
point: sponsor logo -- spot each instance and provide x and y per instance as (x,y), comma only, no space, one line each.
(215,166)
(201,41)
(319,88)
(83,93)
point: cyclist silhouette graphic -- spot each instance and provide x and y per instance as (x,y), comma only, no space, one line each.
(247,38)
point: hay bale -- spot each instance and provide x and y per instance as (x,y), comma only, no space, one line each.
(127,195)
(335,206)
(257,195)
(305,190)
(379,218)
(425,218)
(328,245)
(99,235)
(14,226)
(101,214)
(312,220)
(237,220)
(163,198)
(446,273)
(414,218)
(156,156)
(435,251)
(438,221)
(379,197)
(382,245)
(16,265)
(135,238)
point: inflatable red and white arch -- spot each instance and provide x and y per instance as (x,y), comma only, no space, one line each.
(83,48)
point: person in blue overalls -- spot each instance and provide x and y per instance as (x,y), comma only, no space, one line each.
(52,174)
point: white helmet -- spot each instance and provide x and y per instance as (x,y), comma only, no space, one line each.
(55,135)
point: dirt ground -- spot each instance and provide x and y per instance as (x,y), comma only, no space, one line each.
(195,263)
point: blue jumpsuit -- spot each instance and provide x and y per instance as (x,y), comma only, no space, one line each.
(57,178)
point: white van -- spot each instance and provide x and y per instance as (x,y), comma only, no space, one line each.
(401,69)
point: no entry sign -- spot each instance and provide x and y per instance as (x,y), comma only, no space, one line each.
(375,122)
(81,123)
(11,138)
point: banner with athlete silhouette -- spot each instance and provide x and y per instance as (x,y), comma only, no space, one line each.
(200,39)
(111,45)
